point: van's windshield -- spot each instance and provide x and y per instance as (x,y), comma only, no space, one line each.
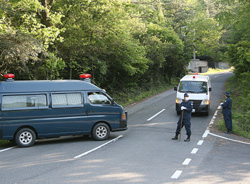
(193,87)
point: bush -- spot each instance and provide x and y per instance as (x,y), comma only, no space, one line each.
(239,87)
(136,93)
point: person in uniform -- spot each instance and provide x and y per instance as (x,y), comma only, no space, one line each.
(186,107)
(227,114)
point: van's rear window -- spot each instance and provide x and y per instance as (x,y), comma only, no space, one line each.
(24,101)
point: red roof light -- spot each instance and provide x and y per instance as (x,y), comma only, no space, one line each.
(193,77)
(85,76)
(9,76)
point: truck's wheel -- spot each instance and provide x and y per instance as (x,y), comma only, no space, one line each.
(25,137)
(100,131)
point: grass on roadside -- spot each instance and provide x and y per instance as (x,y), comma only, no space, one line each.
(220,125)
(238,86)
(136,94)
(5,143)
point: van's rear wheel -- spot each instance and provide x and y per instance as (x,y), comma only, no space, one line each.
(100,131)
(25,137)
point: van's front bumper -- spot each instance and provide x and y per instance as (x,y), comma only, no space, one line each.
(202,108)
(197,108)
(123,124)
(1,133)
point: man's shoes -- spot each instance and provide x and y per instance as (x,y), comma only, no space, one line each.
(228,131)
(187,139)
(175,137)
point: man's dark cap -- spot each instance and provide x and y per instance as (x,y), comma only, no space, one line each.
(227,93)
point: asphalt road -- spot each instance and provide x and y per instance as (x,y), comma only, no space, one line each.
(144,153)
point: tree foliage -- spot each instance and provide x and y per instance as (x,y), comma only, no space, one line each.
(121,43)
(235,41)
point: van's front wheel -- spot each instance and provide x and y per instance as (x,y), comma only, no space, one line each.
(100,131)
(25,137)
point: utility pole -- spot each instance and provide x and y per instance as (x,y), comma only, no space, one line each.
(194,34)
(194,45)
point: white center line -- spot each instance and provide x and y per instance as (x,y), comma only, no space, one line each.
(194,151)
(205,133)
(186,161)
(176,174)
(200,142)
(90,151)
(156,115)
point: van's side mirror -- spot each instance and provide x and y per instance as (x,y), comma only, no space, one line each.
(112,102)
(175,88)
(210,89)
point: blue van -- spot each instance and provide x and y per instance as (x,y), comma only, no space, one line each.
(36,109)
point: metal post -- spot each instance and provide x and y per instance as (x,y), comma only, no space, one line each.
(194,46)
(181,124)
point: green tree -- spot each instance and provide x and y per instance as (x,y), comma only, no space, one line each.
(234,17)
(29,30)
(17,51)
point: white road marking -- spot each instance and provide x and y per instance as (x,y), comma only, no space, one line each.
(156,114)
(205,133)
(90,151)
(186,161)
(228,138)
(200,142)
(211,122)
(208,132)
(7,149)
(176,174)
(194,151)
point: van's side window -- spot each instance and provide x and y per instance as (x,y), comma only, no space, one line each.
(98,98)
(24,101)
(67,99)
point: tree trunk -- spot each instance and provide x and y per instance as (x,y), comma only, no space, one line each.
(44,14)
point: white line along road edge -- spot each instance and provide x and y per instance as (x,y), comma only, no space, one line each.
(90,151)
(207,132)
(156,115)
(7,149)
(228,138)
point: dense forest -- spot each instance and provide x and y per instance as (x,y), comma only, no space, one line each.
(122,43)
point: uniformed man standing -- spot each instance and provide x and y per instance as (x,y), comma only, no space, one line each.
(227,106)
(186,107)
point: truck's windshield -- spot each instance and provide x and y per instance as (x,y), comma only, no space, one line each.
(193,87)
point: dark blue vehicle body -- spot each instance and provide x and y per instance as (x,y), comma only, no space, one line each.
(52,118)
